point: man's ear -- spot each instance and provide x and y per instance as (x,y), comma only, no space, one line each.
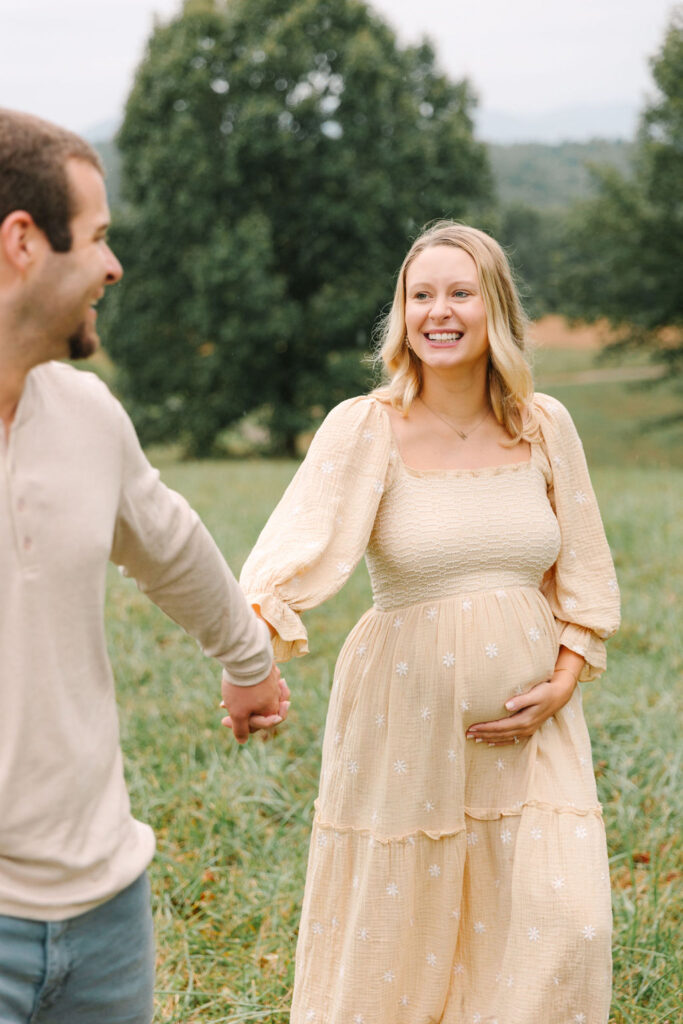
(21,240)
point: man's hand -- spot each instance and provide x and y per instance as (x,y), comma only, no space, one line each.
(251,708)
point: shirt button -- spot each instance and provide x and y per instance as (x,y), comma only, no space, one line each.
(28,543)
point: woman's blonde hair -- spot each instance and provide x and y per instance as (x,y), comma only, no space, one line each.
(509,375)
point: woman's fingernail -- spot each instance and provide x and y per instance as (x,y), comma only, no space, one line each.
(492,744)
(510,705)
(478,739)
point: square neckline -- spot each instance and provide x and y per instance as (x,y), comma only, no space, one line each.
(445,471)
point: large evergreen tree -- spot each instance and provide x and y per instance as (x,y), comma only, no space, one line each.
(277,156)
(623,250)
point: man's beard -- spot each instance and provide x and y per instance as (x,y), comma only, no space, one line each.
(82,343)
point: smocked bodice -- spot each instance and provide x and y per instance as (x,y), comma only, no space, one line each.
(460,531)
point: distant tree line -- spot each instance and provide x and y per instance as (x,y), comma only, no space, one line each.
(276,157)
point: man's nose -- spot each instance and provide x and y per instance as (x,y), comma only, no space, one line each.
(114,268)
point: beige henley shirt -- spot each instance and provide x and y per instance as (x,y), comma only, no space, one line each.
(76,491)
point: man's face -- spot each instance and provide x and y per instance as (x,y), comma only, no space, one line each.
(74,281)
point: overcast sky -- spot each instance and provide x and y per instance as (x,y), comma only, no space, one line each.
(72,60)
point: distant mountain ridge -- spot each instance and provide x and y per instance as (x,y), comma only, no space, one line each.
(534,174)
(561,124)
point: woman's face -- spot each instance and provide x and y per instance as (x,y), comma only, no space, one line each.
(445,313)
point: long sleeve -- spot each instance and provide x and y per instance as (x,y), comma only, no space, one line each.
(581,587)
(161,542)
(319,531)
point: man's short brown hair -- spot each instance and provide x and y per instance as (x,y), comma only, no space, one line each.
(33,157)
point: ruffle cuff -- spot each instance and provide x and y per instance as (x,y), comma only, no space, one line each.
(584,642)
(290,639)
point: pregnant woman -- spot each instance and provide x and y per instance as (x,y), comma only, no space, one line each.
(458,869)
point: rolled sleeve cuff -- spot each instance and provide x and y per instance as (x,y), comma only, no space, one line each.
(584,642)
(291,638)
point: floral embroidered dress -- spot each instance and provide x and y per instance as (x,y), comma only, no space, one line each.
(448,881)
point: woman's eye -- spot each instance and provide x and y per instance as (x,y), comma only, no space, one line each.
(460,294)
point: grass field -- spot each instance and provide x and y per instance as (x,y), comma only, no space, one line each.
(232,824)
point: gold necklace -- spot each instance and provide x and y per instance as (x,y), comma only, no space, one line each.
(460,433)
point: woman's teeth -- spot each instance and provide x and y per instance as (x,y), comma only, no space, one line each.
(452,336)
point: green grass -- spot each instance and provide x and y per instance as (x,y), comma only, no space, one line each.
(232,823)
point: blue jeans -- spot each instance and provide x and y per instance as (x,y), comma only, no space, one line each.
(97,968)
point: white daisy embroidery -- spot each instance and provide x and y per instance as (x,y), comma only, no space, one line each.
(580,832)
(501,594)
(402,669)
(363,934)
(359,1019)
(337,738)
(479,927)
(509,981)
(492,650)
(403,1001)
(400,767)
(361,650)
(392,889)
(580,497)
(472,838)
(534,634)
(344,568)
(467,605)
(588,932)
(431,614)
(500,765)
(327,467)
(322,840)
(533,935)
(378,487)
(558,460)
(456,914)
(451,755)
(465,705)
(429,806)
(317,928)
(431,959)
(536,833)
(572,553)
(569,604)
(398,622)
(354,882)
(557,883)
(334,923)
(389,976)
(476,1019)
(352,767)
(310,1014)
(425,714)
(459,969)
(613,585)
(579,1018)
(380,720)
(506,836)
(448,659)
(368,435)
(434,870)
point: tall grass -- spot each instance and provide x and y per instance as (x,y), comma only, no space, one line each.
(232,823)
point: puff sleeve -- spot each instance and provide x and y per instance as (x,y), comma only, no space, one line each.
(581,586)
(319,531)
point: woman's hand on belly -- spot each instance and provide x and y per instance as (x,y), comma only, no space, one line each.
(530,710)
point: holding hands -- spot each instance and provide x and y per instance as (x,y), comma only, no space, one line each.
(251,708)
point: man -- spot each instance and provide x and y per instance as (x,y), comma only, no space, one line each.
(76,490)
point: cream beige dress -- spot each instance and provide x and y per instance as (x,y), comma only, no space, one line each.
(448,881)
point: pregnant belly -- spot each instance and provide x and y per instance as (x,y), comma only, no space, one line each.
(459,659)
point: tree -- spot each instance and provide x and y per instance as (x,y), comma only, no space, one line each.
(623,250)
(277,157)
